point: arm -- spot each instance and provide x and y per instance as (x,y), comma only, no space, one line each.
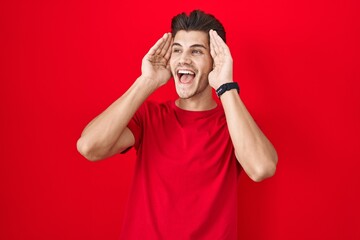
(108,134)
(253,150)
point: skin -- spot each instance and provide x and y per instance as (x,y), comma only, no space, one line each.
(191,51)
(206,55)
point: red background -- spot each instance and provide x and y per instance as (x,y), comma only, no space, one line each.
(63,62)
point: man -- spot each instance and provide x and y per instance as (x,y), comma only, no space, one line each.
(189,151)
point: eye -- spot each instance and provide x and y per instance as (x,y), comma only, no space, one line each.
(196,51)
(176,50)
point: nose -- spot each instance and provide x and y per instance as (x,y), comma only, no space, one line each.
(185,58)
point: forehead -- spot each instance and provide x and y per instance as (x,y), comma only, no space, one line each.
(189,38)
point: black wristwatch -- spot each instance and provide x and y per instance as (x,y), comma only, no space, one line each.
(226,87)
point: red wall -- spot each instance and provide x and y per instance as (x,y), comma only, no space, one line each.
(63,62)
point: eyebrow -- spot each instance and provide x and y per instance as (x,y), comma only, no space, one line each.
(192,46)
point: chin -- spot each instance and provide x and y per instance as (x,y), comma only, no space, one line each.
(184,95)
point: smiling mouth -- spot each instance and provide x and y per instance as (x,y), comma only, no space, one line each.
(185,76)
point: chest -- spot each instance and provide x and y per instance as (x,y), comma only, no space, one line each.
(186,143)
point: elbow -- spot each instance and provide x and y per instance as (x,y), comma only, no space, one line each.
(86,150)
(262,174)
(265,170)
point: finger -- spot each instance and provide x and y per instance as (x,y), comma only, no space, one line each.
(214,39)
(156,46)
(213,47)
(221,44)
(217,42)
(160,51)
(166,45)
(168,51)
(212,51)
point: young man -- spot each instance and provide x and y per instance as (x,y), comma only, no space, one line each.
(189,151)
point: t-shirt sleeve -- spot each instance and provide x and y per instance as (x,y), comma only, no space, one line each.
(136,125)
(135,128)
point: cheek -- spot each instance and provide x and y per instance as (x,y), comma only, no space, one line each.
(172,60)
(207,67)
(207,64)
(172,64)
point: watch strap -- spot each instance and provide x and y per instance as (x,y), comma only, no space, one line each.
(226,87)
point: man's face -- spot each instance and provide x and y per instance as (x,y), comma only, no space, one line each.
(190,62)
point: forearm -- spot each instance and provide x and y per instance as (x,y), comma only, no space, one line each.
(253,150)
(102,134)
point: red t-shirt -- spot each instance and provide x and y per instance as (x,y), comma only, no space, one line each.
(186,175)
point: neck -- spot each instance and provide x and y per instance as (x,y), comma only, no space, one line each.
(200,102)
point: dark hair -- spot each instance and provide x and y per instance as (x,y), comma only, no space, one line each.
(197,21)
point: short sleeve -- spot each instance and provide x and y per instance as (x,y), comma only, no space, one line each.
(135,128)
(136,124)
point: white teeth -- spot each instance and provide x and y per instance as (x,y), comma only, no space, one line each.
(185,72)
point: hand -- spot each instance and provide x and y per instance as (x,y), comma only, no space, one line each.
(155,64)
(223,63)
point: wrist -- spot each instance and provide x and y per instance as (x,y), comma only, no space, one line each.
(147,83)
(216,85)
(225,87)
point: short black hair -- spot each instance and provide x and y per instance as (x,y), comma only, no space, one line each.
(197,20)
